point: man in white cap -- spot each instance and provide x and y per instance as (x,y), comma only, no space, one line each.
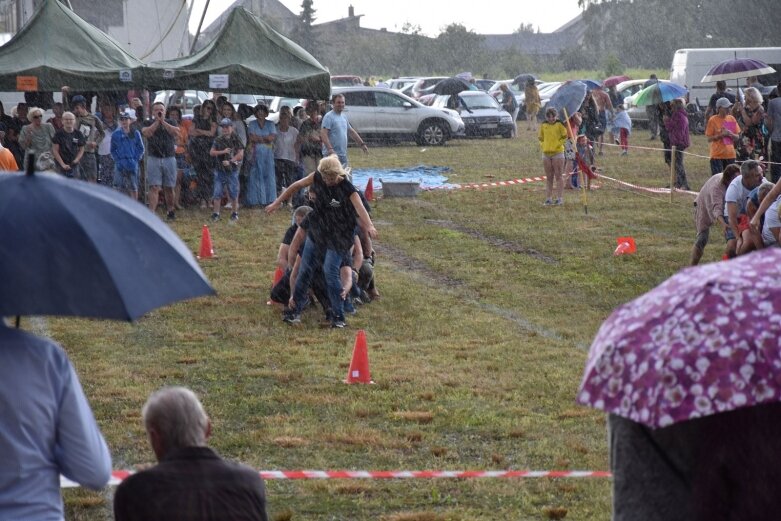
(722,132)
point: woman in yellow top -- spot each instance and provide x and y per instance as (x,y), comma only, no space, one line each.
(532,102)
(552,137)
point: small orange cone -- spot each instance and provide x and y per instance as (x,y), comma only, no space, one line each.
(359,366)
(625,245)
(278,274)
(207,252)
(369,192)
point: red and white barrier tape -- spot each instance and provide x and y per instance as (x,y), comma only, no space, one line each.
(118,476)
(646,189)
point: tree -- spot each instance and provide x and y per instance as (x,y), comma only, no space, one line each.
(525,29)
(612,65)
(646,33)
(458,49)
(303,33)
(307,16)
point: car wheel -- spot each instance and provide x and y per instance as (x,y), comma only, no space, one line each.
(431,133)
(507,135)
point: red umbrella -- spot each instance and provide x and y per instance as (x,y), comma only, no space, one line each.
(615,80)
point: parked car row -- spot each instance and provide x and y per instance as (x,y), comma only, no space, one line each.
(378,113)
(482,115)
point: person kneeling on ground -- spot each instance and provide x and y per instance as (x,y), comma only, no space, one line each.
(337,211)
(229,151)
(751,239)
(735,200)
(190,480)
(709,209)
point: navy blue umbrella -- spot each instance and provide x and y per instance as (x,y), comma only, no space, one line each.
(72,248)
(568,97)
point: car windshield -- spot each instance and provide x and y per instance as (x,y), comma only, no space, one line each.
(479,101)
(287,102)
(249,99)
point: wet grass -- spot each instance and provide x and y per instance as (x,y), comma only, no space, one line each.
(476,346)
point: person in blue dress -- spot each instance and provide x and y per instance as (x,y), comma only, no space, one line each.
(261,185)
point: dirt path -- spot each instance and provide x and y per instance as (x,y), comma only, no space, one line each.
(423,273)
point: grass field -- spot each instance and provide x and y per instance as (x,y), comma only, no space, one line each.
(489,303)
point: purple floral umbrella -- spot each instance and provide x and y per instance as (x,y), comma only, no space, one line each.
(707,340)
(736,69)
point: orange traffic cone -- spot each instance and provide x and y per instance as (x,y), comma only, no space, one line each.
(278,274)
(359,366)
(369,192)
(207,252)
(625,245)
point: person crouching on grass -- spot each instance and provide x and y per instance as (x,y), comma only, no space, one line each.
(552,137)
(337,211)
(229,152)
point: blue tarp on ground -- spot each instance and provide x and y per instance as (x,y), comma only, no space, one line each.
(429,176)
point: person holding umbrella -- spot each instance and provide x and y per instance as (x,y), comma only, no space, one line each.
(722,130)
(687,374)
(46,428)
(532,101)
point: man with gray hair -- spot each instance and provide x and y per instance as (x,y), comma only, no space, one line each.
(735,201)
(190,482)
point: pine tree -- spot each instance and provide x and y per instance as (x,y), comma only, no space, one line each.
(303,33)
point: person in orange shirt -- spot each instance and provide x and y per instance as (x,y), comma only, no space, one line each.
(174,112)
(7,161)
(722,132)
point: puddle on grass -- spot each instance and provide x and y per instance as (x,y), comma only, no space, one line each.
(429,176)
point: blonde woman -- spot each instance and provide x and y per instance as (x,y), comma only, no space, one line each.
(337,209)
(36,138)
(552,136)
(532,102)
(750,116)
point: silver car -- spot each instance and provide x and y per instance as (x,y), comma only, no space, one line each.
(482,114)
(379,113)
(186,99)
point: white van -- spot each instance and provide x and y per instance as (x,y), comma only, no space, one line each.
(690,65)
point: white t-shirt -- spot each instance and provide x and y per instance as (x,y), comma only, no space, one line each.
(736,193)
(772,220)
(283,146)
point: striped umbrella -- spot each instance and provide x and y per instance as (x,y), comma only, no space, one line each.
(659,93)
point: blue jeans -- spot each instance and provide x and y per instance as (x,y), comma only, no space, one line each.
(332,261)
(311,256)
(718,165)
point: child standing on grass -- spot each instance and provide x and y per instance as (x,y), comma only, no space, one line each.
(622,126)
(552,137)
(228,151)
(583,160)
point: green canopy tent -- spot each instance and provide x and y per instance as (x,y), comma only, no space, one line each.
(247,56)
(56,47)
